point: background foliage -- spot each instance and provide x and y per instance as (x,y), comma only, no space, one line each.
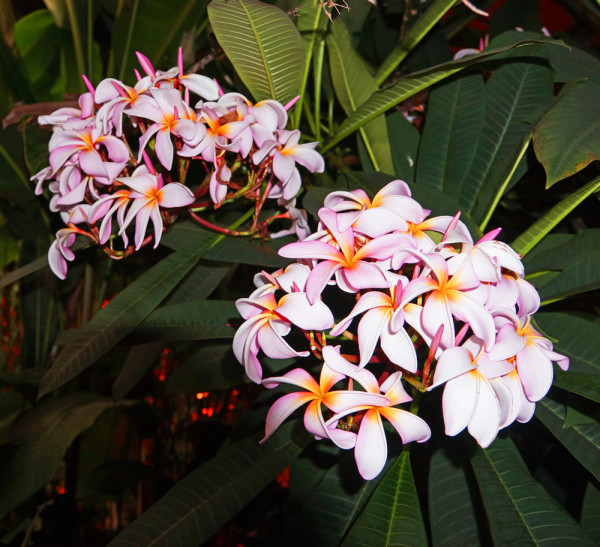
(124,416)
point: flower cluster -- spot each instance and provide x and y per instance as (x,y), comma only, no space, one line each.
(429,309)
(124,155)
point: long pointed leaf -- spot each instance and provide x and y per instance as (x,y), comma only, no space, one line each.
(353,86)
(520,511)
(590,511)
(416,33)
(454,511)
(533,235)
(263,44)
(392,516)
(452,129)
(381,101)
(586,385)
(122,314)
(139,360)
(583,441)
(207,498)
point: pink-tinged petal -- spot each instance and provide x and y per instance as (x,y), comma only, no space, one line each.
(311,249)
(319,277)
(459,402)
(493,369)
(313,420)
(106,90)
(377,221)
(485,422)
(328,378)
(309,158)
(274,346)
(283,166)
(296,377)
(56,261)
(347,402)
(506,257)
(529,299)
(146,185)
(136,206)
(346,440)
(148,134)
(282,408)
(527,409)
(345,238)
(399,349)
(250,307)
(417,287)
(436,312)
(164,149)
(452,363)
(337,363)
(175,194)
(394,390)
(409,427)
(141,224)
(369,330)
(383,247)
(508,343)
(361,275)
(296,308)
(292,186)
(395,188)
(202,86)
(535,372)
(370,451)
(506,400)
(468,310)
(156,222)
(117,151)
(91,163)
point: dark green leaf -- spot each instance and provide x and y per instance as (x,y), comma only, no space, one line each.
(139,360)
(404,143)
(263,44)
(572,64)
(211,368)
(567,138)
(12,403)
(519,510)
(586,385)
(454,511)
(37,442)
(353,85)
(393,515)
(453,126)
(583,441)
(512,94)
(122,314)
(209,497)
(198,284)
(577,338)
(590,511)
(381,101)
(201,320)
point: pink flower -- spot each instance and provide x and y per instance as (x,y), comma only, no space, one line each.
(149,195)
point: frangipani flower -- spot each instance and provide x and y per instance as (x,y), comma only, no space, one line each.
(149,195)
(315,395)
(370,450)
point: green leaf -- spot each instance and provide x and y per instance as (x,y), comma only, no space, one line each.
(590,511)
(577,338)
(541,227)
(586,385)
(512,93)
(353,85)
(572,64)
(333,506)
(456,515)
(381,101)
(561,250)
(152,27)
(139,360)
(12,403)
(122,315)
(519,510)
(567,138)
(201,320)
(198,284)
(580,276)
(23,271)
(312,25)
(415,34)
(583,441)
(263,44)
(206,499)
(453,126)
(15,187)
(573,418)
(37,442)
(393,515)
(404,143)
(211,368)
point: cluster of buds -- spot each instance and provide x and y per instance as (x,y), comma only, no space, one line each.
(435,309)
(126,151)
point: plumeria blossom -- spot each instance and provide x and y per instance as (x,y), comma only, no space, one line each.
(125,154)
(370,450)
(448,312)
(149,195)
